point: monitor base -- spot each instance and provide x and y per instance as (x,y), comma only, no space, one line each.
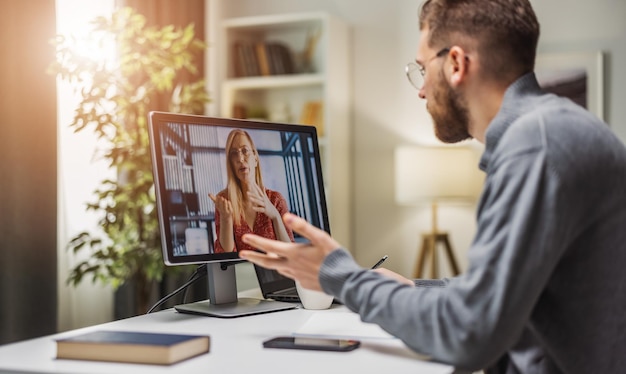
(241,307)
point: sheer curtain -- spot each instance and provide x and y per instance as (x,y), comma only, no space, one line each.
(79,174)
(28,193)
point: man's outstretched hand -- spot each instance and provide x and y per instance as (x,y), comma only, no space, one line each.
(299,261)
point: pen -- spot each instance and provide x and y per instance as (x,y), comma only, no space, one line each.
(380,262)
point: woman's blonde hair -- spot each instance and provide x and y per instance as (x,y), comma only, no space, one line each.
(233,186)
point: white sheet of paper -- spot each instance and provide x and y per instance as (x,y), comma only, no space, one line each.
(341,325)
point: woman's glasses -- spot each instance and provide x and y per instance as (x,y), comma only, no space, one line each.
(246,152)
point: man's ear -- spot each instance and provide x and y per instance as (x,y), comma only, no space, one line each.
(458,65)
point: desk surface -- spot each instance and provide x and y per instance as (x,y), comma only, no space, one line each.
(235,348)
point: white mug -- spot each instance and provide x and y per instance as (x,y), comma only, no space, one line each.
(311,299)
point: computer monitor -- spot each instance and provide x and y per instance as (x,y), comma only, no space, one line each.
(190,164)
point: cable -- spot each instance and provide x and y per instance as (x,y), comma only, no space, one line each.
(198,274)
(223,266)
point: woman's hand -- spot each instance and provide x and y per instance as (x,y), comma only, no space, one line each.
(224,225)
(223,205)
(261,203)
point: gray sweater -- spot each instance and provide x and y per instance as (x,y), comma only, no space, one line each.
(545,290)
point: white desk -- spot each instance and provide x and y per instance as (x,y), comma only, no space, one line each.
(235,348)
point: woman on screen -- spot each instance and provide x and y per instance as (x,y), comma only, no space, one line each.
(246,206)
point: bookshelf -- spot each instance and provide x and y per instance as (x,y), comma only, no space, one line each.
(315,90)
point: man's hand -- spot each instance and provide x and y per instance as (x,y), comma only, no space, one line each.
(390,274)
(299,261)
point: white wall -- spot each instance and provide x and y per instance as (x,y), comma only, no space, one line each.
(591,26)
(387,111)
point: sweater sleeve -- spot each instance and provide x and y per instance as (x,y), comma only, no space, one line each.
(478,315)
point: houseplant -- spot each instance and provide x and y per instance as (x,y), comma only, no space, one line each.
(116,96)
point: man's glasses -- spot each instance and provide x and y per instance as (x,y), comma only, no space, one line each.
(416,72)
(244,151)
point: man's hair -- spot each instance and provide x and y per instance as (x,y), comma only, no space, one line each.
(503,32)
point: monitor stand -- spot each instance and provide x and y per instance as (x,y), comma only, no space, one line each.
(223,301)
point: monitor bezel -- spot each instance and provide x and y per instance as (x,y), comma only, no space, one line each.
(158,119)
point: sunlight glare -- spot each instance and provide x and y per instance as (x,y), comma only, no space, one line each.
(78,176)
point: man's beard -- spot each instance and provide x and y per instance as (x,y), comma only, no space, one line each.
(449,112)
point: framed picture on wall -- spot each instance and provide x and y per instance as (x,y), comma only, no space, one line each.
(577,76)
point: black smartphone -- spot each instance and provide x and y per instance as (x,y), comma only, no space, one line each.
(316,344)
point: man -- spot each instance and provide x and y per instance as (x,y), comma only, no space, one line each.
(545,290)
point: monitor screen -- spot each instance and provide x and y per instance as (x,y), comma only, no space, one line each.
(203,170)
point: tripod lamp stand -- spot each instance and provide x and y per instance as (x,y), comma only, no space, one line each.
(434,175)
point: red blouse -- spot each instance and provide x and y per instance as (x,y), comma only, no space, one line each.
(262,224)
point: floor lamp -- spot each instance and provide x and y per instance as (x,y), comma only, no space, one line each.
(434,175)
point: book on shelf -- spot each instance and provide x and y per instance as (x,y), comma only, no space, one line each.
(251,62)
(262,59)
(313,114)
(132,347)
(286,57)
(262,51)
(239,60)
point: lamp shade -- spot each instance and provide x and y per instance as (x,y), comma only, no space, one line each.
(424,174)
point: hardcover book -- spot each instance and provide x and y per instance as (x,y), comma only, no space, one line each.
(133,347)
